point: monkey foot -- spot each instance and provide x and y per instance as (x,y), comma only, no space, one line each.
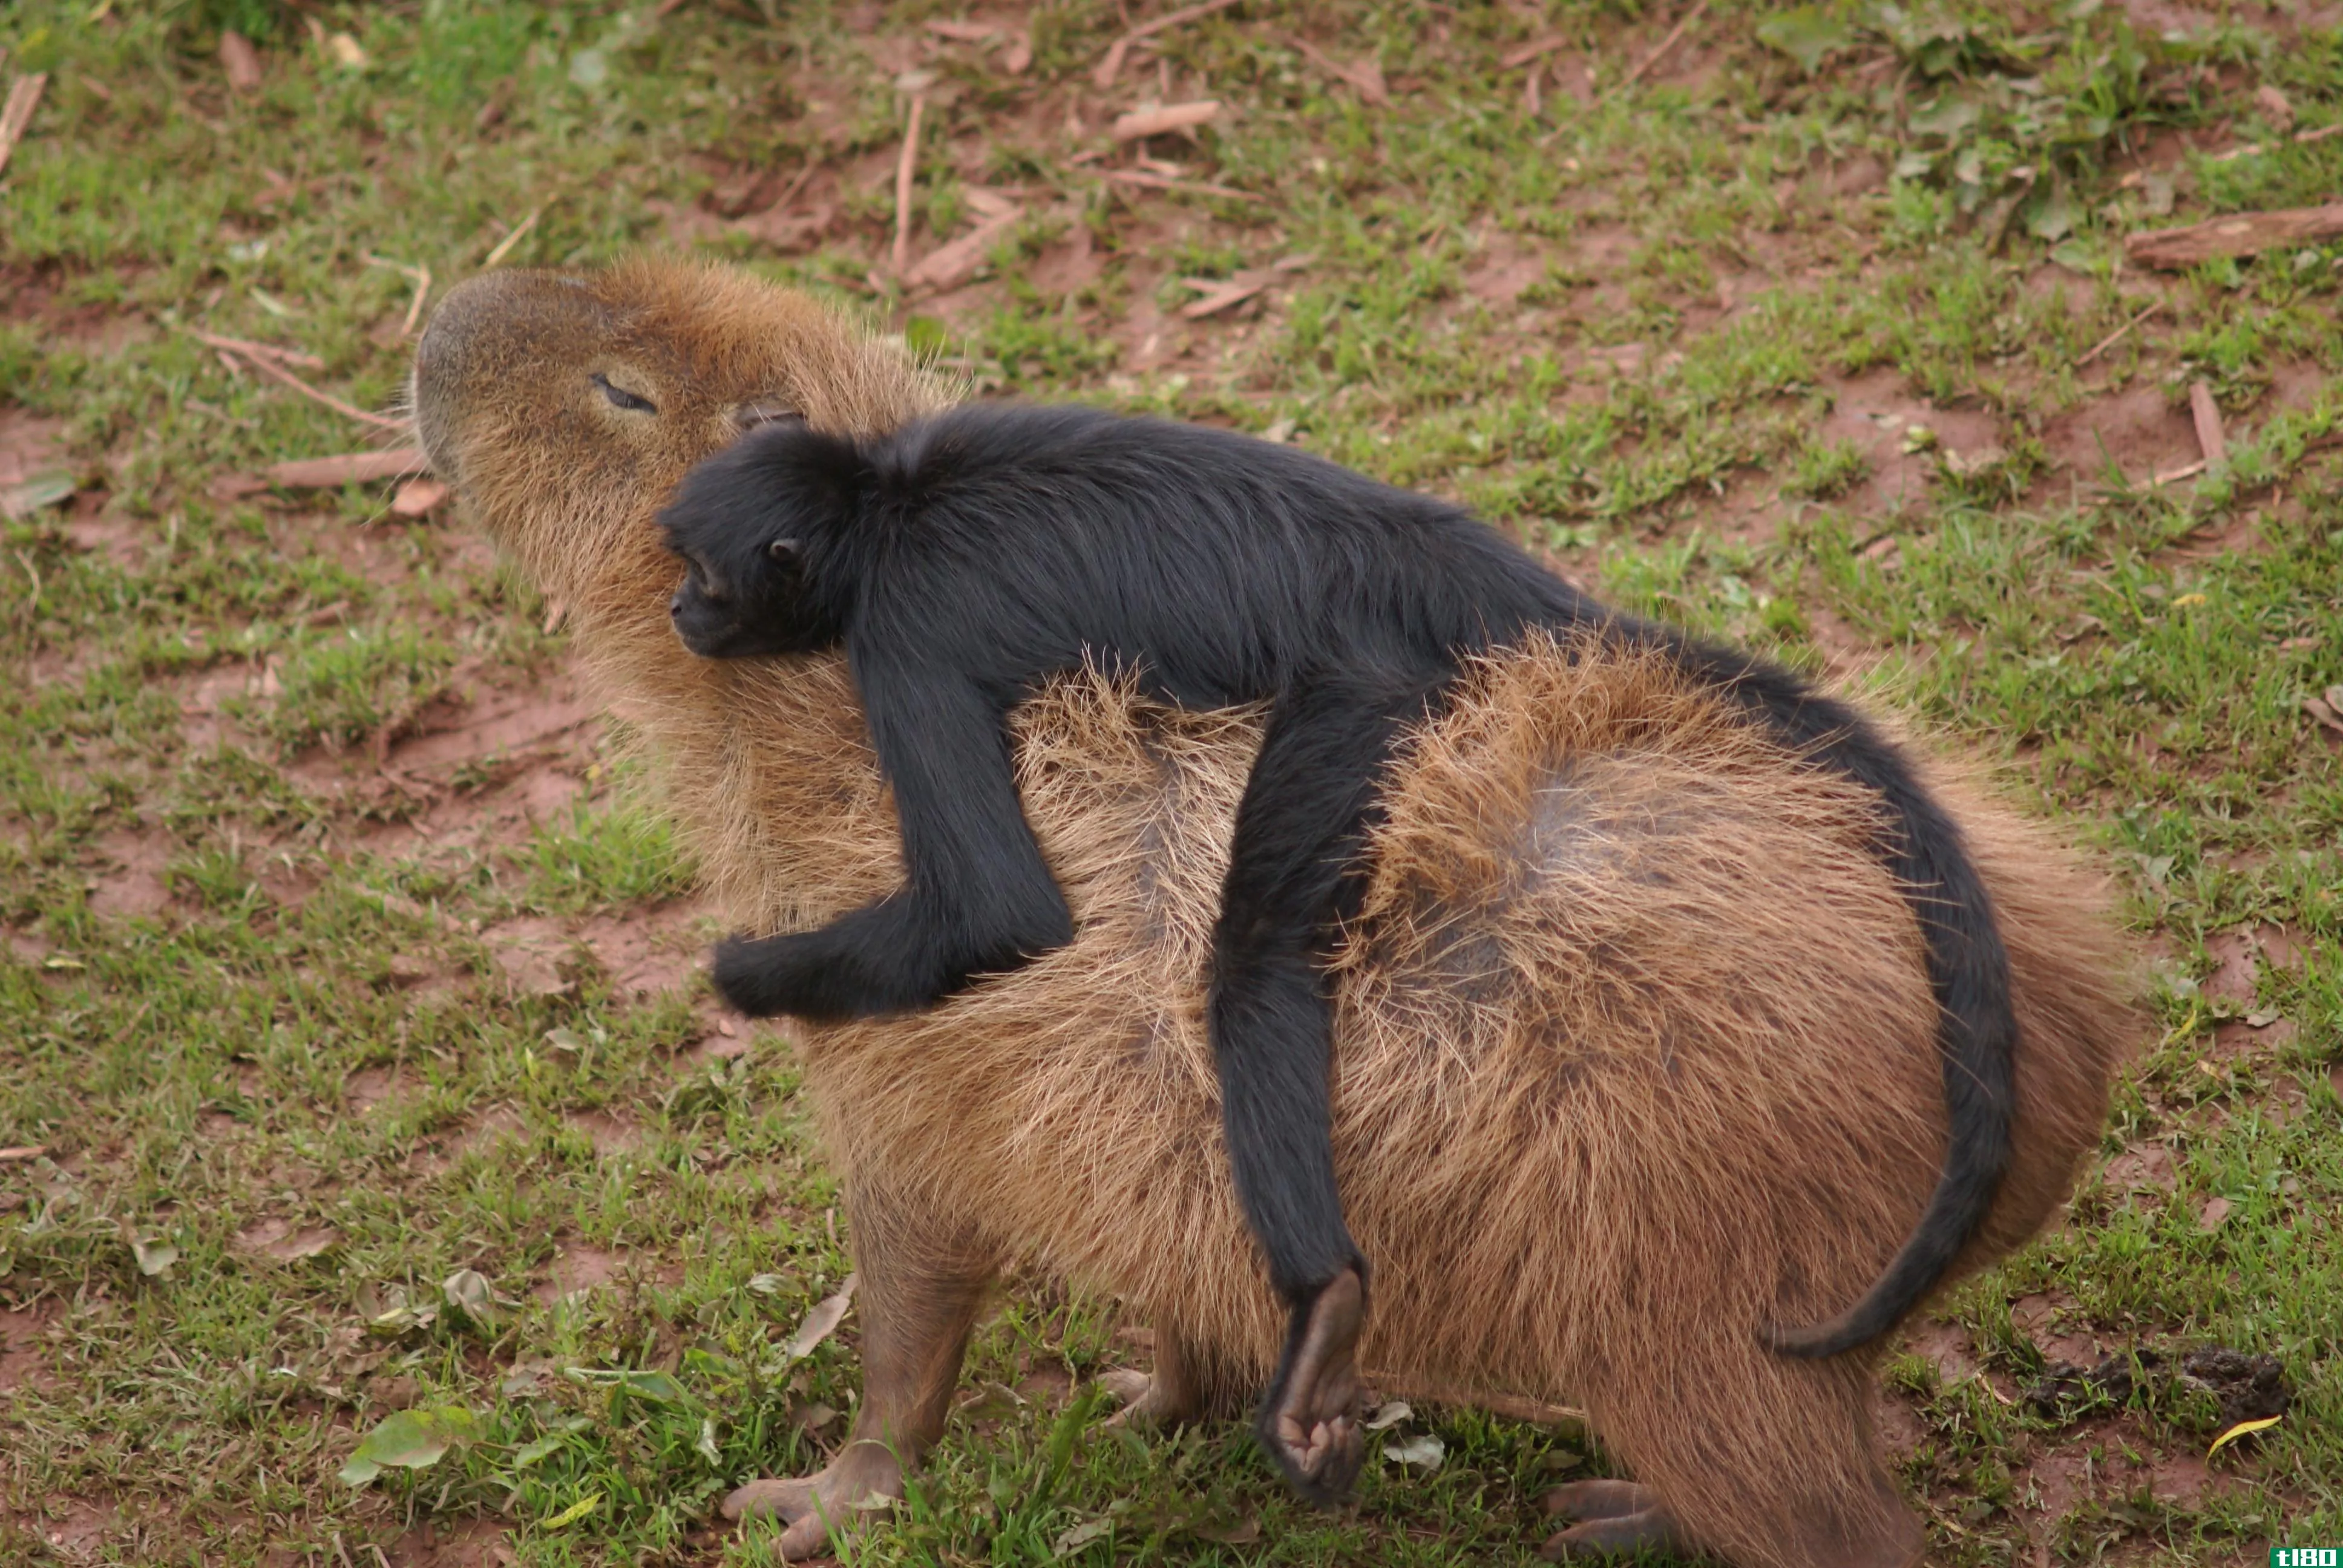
(1616,1518)
(820,1507)
(1311,1423)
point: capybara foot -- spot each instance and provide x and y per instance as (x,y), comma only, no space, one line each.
(1311,1423)
(1603,1537)
(1599,1499)
(823,1506)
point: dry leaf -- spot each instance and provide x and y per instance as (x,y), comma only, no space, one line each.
(418,497)
(1143,123)
(23,98)
(964,32)
(2328,716)
(346,52)
(1127,1385)
(2274,107)
(949,267)
(240,60)
(2210,1216)
(1391,1414)
(820,1322)
(1423,1454)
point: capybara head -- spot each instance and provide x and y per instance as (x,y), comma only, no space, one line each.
(559,406)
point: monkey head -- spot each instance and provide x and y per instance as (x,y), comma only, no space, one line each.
(754,525)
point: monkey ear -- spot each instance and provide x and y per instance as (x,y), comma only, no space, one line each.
(747,416)
(784,552)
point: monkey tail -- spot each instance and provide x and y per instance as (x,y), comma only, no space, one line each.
(1976,1038)
(1968,970)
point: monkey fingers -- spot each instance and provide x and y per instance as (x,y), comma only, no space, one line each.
(1309,1424)
(821,1507)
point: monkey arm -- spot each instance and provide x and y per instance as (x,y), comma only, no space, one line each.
(977,899)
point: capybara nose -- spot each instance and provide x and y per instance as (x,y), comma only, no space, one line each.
(675,605)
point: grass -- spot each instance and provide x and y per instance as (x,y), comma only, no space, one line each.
(1808,335)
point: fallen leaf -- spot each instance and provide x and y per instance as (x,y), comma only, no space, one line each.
(1125,1385)
(1219,294)
(2243,1429)
(1139,124)
(154,1258)
(1391,1414)
(951,266)
(346,52)
(409,1440)
(766,1284)
(16,117)
(2274,107)
(1423,1454)
(418,497)
(814,1417)
(963,31)
(2327,715)
(2210,1216)
(41,490)
(240,60)
(468,1289)
(820,1322)
(1082,1535)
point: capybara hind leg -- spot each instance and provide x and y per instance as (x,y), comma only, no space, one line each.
(919,1287)
(1188,1385)
(1612,1535)
(1599,1499)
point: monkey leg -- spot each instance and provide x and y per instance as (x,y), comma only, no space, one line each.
(1294,869)
(919,1287)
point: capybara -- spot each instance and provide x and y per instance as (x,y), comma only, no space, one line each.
(1634,1050)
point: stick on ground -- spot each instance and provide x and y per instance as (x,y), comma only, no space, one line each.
(904,169)
(23,98)
(2239,233)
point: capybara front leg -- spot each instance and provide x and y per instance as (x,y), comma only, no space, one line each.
(918,1290)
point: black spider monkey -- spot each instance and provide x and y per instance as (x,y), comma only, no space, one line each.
(965,558)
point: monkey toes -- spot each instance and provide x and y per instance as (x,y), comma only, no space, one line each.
(1311,1423)
(820,1507)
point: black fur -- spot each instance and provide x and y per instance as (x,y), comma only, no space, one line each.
(968,556)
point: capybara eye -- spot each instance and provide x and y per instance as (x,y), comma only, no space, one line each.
(621,398)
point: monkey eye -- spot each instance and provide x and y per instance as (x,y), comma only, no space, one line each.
(621,398)
(748,416)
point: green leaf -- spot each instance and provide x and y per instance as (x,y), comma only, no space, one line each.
(41,490)
(536,1451)
(1805,34)
(410,1440)
(656,1386)
(1947,117)
(2051,217)
(574,1511)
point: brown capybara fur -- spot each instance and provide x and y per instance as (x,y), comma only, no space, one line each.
(1636,1051)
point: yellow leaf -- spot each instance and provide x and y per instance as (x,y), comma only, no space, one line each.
(574,1511)
(2243,1429)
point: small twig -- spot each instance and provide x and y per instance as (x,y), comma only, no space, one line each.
(2119,334)
(1667,44)
(904,169)
(278,373)
(420,276)
(505,246)
(1533,50)
(1366,77)
(1112,66)
(2185,471)
(32,600)
(2206,414)
(252,350)
(23,98)
(1141,123)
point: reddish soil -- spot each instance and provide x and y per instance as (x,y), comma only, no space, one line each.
(1875,410)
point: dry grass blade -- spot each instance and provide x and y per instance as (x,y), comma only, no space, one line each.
(2118,335)
(905,167)
(1366,75)
(1141,123)
(1155,182)
(1538,49)
(1675,34)
(2207,416)
(420,276)
(505,246)
(252,350)
(1119,50)
(2239,233)
(276,372)
(23,98)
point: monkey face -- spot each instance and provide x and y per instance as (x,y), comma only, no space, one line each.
(752,604)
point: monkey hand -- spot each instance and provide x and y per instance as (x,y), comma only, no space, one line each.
(820,1508)
(1310,1422)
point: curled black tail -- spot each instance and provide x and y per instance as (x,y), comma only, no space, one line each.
(1969,967)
